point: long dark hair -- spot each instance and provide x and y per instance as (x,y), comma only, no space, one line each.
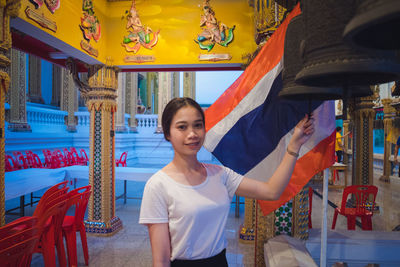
(172,108)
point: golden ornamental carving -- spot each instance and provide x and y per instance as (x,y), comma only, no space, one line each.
(387,107)
(265,229)
(103,105)
(12,7)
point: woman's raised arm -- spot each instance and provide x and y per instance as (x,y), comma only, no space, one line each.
(273,188)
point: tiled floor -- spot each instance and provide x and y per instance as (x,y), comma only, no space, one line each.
(131,246)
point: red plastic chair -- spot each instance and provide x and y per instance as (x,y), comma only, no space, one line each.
(360,195)
(58,160)
(10,164)
(17,241)
(47,158)
(21,160)
(51,234)
(34,160)
(84,157)
(75,157)
(122,160)
(79,198)
(310,196)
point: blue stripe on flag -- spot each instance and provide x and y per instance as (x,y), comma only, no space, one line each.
(257,133)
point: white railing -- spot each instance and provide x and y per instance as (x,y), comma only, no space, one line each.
(83,118)
(147,121)
(37,115)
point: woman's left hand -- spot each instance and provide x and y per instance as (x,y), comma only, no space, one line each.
(302,132)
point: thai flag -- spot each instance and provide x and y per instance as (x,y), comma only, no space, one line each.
(249,126)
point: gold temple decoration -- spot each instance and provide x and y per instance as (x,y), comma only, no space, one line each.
(268,15)
(41,19)
(8,9)
(363,141)
(100,94)
(389,113)
(247,230)
(300,215)
(265,229)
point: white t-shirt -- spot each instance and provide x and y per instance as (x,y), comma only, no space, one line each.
(196,214)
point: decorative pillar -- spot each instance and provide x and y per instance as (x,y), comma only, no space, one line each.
(8,9)
(300,214)
(151,88)
(176,84)
(265,229)
(56,86)
(247,230)
(35,76)
(84,79)
(363,141)
(101,103)
(289,219)
(100,95)
(165,91)
(69,98)
(346,141)
(120,115)
(389,113)
(131,99)
(17,95)
(189,84)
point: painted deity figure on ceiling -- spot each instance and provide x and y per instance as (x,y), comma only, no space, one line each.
(214,31)
(139,35)
(90,24)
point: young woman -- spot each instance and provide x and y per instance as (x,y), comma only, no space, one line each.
(186,204)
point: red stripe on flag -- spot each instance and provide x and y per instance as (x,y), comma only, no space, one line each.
(316,160)
(265,61)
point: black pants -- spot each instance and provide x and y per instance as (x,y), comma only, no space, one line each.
(218,260)
(339,154)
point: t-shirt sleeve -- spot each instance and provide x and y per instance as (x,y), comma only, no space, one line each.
(154,208)
(233,180)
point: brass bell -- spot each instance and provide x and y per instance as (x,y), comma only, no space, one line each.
(376,25)
(292,64)
(328,61)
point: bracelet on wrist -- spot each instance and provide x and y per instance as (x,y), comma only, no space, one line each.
(294,154)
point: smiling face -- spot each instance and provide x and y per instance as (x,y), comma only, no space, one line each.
(187,131)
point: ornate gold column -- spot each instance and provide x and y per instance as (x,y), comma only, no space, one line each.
(101,103)
(120,114)
(389,113)
(265,229)
(100,95)
(69,98)
(16,116)
(189,84)
(247,230)
(363,141)
(131,99)
(34,85)
(8,8)
(300,214)
(346,142)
